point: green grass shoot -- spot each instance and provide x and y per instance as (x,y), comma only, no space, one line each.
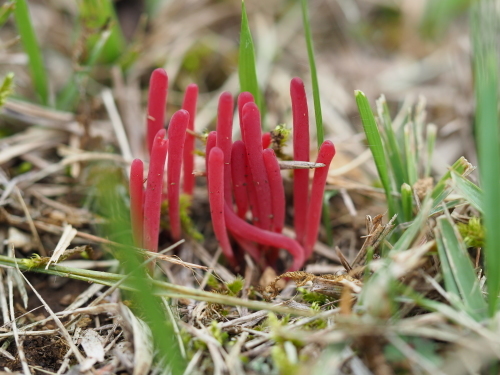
(247,70)
(314,75)
(394,154)
(146,304)
(375,143)
(461,281)
(32,49)
(470,191)
(485,63)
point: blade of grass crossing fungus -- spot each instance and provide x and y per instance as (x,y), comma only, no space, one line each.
(485,29)
(458,271)
(149,306)
(392,146)
(314,75)
(247,70)
(377,148)
(32,49)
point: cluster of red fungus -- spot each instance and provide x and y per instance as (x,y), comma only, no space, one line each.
(243,177)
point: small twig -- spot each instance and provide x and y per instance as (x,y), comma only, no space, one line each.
(20,349)
(116,121)
(295,164)
(31,224)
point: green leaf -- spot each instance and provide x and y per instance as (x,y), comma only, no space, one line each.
(391,145)
(458,272)
(376,147)
(430,143)
(148,305)
(407,202)
(247,70)
(471,192)
(30,45)
(485,62)
(411,157)
(442,189)
(314,75)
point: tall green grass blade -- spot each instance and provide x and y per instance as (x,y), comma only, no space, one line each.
(6,10)
(470,191)
(392,146)
(407,202)
(377,148)
(151,307)
(247,70)
(314,75)
(485,29)
(98,15)
(410,150)
(442,189)
(32,49)
(430,143)
(458,272)
(449,205)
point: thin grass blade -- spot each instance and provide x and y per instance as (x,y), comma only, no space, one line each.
(442,188)
(457,268)
(314,75)
(377,149)
(247,69)
(430,143)
(32,49)
(411,156)
(391,144)
(485,30)
(470,191)
(407,202)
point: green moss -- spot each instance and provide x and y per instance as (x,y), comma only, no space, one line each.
(221,336)
(315,299)
(472,233)
(283,362)
(235,286)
